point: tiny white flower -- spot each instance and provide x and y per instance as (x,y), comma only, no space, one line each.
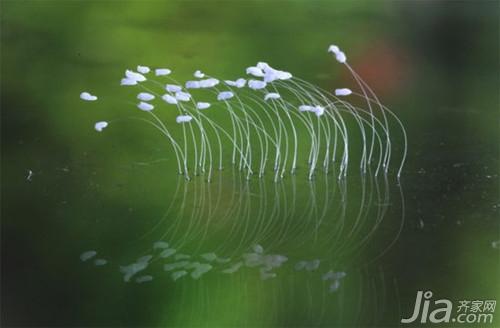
(225,95)
(135,76)
(239,83)
(263,66)
(339,55)
(145,106)
(87,96)
(208,83)
(202,105)
(143,69)
(255,71)
(192,84)
(99,126)
(343,92)
(256,85)
(162,71)
(173,88)
(199,74)
(333,49)
(144,96)
(319,110)
(169,99)
(306,108)
(182,96)
(282,75)
(183,118)
(128,81)
(272,95)
(341,58)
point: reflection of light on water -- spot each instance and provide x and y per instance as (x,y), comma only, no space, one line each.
(265,225)
(308,239)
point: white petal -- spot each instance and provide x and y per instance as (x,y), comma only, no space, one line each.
(270,76)
(183,118)
(208,83)
(225,95)
(202,105)
(182,96)
(272,95)
(162,71)
(192,84)
(255,84)
(341,58)
(333,49)
(87,96)
(319,111)
(263,66)
(255,71)
(240,83)
(343,92)
(306,108)
(99,126)
(169,99)
(135,76)
(144,96)
(282,75)
(173,88)
(199,74)
(145,106)
(143,69)
(128,81)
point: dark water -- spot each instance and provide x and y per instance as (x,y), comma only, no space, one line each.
(267,247)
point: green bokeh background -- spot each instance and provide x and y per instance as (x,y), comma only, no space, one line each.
(435,64)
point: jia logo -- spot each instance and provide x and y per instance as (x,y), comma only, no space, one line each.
(439,311)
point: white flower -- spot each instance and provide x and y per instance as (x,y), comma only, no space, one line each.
(135,76)
(263,66)
(169,99)
(255,71)
(339,55)
(143,69)
(183,118)
(202,105)
(144,96)
(341,58)
(225,95)
(208,83)
(192,84)
(87,96)
(162,71)
(343,92)
(255,84)
(182,96)
(333,49)
(99,126)
(272,95)
(127,81)
(173,88)
(319,111)
(145,106)
(272,74)
(306,108)
(239,83)
(199,74)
